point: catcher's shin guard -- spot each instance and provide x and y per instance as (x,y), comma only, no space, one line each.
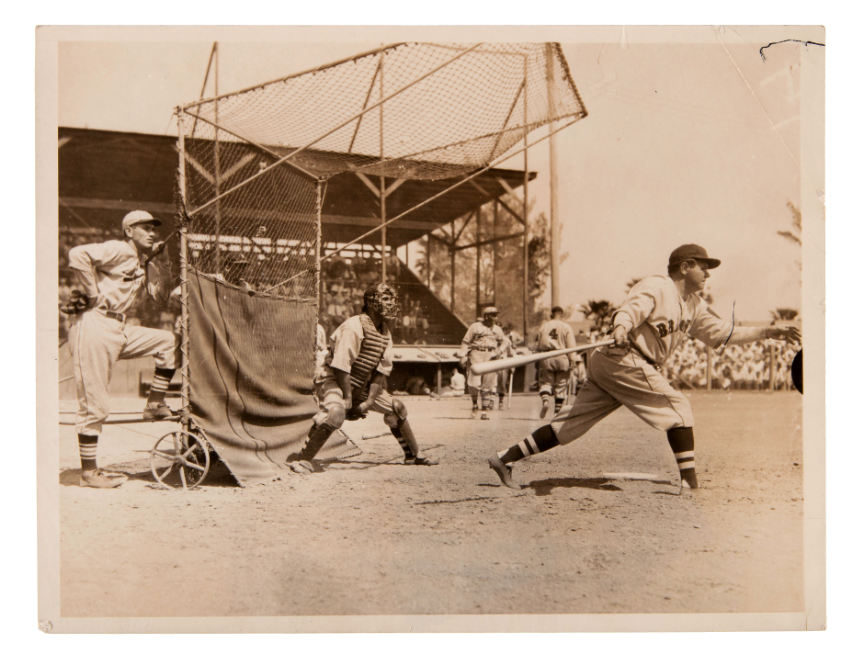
(682,442)
(405,436)
(318,435)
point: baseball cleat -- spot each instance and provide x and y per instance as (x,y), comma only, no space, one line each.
(303,466)
(484,416)
(420,461)
(157,411)
(99,478)
(688,479)
(544,409)
(504,472)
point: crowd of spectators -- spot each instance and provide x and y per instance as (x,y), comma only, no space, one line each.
(738,367)
(345,279)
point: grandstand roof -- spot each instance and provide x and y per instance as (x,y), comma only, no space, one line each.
(103,173)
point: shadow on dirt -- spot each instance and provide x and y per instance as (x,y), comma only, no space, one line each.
(218,474)
(546,486)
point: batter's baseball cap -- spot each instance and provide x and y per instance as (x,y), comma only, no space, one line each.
(489,310)
(138,217)
(692,251)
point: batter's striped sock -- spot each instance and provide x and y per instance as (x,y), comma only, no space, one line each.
(159,385)
(87,450)
(539,441)
(682,443)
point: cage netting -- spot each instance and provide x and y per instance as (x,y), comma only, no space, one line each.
(254,168)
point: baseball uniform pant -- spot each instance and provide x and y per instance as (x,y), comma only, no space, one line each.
(553,380)
(331,405)
(488,383)
(97,343)
(623,379)
(332,409)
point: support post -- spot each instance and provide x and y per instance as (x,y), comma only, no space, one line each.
(428,261)
(554,241)
(772,361)
(382,186)
(452,279)
(184,280)
(319,197)
(525,199)
(477,261)
(216,168)
(709,367)
(495,254)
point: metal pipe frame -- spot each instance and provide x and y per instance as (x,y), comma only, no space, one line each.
(184,283)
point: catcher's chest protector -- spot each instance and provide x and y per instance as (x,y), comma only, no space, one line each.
(371,350)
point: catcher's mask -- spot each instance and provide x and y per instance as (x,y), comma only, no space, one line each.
(381,299)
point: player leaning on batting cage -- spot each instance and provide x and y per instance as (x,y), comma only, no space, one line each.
(659,313)
(109,279)
(353,380)
(554,374)
(483,341)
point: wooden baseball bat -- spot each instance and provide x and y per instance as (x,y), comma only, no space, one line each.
(524,359)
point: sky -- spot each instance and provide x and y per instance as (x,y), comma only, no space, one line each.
(691,137)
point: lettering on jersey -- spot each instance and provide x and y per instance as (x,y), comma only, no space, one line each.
(553,334)
(668,327)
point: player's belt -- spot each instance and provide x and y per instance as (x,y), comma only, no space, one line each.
(635,348)
(116,315)
(484,349)
(632,348)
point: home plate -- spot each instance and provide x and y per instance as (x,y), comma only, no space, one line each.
(631,476)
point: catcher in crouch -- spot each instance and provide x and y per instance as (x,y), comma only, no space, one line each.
(353,379)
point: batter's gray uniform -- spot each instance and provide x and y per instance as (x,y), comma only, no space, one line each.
(658,320)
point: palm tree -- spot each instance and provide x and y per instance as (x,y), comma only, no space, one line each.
(784,313)
(600,312)
(793,234)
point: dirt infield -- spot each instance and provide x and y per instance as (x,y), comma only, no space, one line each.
(371,536)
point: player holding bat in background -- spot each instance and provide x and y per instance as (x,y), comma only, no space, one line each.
(353,380)
(659,313)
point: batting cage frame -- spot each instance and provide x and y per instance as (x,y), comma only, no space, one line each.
(253,173)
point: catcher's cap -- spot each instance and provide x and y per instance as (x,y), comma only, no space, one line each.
(692,251)
(138,217)
(489,310)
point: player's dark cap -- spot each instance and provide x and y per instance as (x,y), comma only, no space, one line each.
(557,309)
(139,217)
(692,251)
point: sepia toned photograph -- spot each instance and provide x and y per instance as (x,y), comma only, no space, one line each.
(427,329)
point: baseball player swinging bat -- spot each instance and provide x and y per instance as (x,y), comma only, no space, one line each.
(523,360)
